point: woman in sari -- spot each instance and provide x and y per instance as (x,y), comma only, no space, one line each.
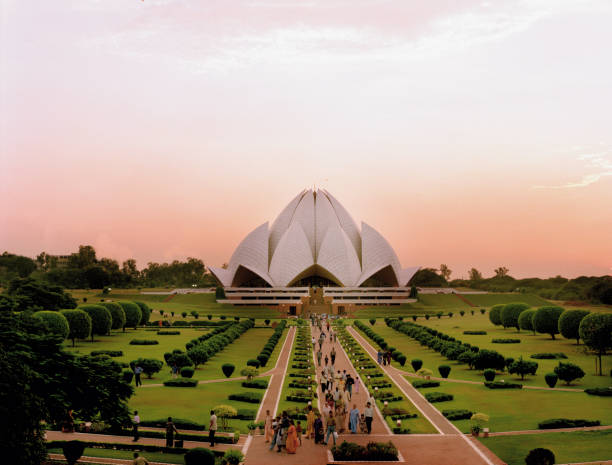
(310,418)
(354,419)
(292,439)
(340,417)
(268,427)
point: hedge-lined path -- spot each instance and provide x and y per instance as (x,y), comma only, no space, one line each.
(107,438)
(473,451)
(104,460)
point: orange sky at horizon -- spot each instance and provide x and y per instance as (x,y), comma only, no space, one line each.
(474,135)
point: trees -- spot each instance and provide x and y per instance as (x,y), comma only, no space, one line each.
(101,319)
(546,320)
(444,370)
(145,312)
(501,272)
(55,322)
(198,355)
(523,367)
(551,379)
(133,314)
(510,314)
(117,314)
(569,323)
(31,294)
(568,372)
(79,324)
(427,277)
(149,366)
(445,271)
(495,314)
(475,275)
(489,359)
(17,265)
(540,456)
(596,333)
(525,320)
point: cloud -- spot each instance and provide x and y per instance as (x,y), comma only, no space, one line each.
(598,162)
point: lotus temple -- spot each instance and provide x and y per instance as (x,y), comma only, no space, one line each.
(314,258)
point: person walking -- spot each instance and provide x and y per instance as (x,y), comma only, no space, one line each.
(357,383)
(137,373)
(212,428)
(269,431)
(175,370)
(170,430)
(323,382)
(275,428)
(331,429)
(292,440)
(135,423)
(326,359)
(314,343)
(310,419)
(354,419)
(318,429)
(332,355)
(369,416)
(319,355)
(349,385)
(379,357)
(281,439)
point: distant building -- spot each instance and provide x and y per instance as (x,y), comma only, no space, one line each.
(314,258)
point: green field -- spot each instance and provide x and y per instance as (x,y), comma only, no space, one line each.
(128,455)
(488,300)
(520,409)
(580,446)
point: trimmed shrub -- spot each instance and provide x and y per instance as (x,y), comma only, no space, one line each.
(566,423)
(372,321)
(149,366)
(525,320)
(73,450)
(117,314)
(168,333)
(110,353)
(603,392)
(256,384)
(425,383)
(232,457)
(253,363)
(596,332)
(568,372)
(433,397)
(489,359)
(227,369)
(401,358)
(179,357)
(569,323)
(489,375)
(417,364)
(505,341)
(523,367)
(251,397)
(502,385)
(495,314)
(79,324)
(510,314)
(127,376)
(444,370)
(133,314)
(101,319)
(540,456)
(461,414)
(144,342)
(187,372)
(546,320)
(551,379)
(55,322)
(199,456)
(374,451)
(549,356)
(181,382)
(198,355)
(475,333)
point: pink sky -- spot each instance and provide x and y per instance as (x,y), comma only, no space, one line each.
(468,133)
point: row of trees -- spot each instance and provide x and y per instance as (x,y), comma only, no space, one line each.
(85,270)
(595,329)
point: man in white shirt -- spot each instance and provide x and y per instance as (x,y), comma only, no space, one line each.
(135,423)
(212,428)
(368,413)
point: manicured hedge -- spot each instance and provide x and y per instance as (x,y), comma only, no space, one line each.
(110,353)
(461,414)
(438,397)
(187,372)
(144,342)
(168,333)
(181,382)
(256,383)
(475,333)
(503,385)
(133,314)
(423,383)
(55,322)
(548,355)
(251,397)
(566,423)
(374,451)
(605,392)
(505,341)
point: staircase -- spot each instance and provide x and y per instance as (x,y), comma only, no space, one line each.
(316,303)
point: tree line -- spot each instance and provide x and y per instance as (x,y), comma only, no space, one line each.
(84,270)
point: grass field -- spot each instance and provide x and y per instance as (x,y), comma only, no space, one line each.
(488,300)
(520,409)
(128,455)
(529,344)
(580,446)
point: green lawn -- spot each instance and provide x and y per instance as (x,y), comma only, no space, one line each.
(529,344)
(520,409)
(448,301)
(579,446)
(128,455)
(488,300)
(193,404)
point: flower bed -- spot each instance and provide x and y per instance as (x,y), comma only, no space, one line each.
(372,452)
(433,397)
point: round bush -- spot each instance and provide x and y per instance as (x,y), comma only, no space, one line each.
(489,374)
(546,320)
(525,320)
(73,450)
(551,379)
(444,370)
(569,323)
(127,376)
(227,369)
(55,322)
(596,330)
(540,456)
(101,319)
(117,314)
(510,314)
(253,363)
(199,456)
(133,314)
(263,359)
(401,358)
(79,323)
(145,312)
(495,314)
(187,372)
(417,364)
